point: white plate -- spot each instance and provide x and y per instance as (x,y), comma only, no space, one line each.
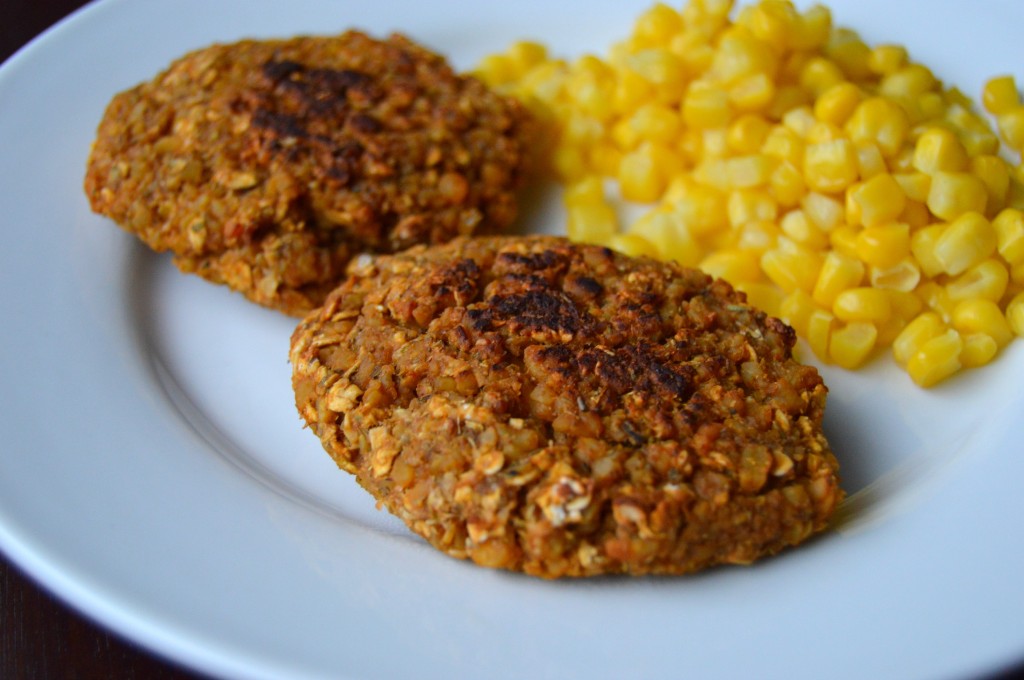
(153,472)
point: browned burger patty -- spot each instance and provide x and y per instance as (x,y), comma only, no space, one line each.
(564,410)
(266,165)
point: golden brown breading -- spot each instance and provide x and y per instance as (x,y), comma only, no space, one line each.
(266,165)
(564,410)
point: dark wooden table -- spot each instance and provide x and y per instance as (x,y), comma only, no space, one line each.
(40,637)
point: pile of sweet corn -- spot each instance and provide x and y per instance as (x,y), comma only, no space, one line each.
(840,185)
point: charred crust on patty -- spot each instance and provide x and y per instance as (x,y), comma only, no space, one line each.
(568,411)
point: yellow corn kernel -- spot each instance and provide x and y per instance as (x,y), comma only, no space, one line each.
(587,190)
(982,316)
(664,70)
(907,83)
(1011,127)
(715,142)
(968,240)
(525,54)
(837,103)
(582,130)
(985,280)
(862,304)
(796,225)
(915,185)
(824,211)
(546,81)
(922,245)
(691,144)
(961,115)
(692,47)
(843,239)
(706,107)
(846,48)
(880,199)
(880,121)
(764,296)
(994,172)
(747,133)
(931,105)
(1015,314)
(657,25)
(496,69)
(633,245)
(639,178)
(752,93)
(800,119)
(733,265)
(820,326)
(604,158)
(838,272)
(787,184)
(979,349)
(655,122)
(795,309)
(979,143)
(770,22)
(669,235)
(749,171)
(1000,95)
(936,297)
(954,193)
(785,145)
(939,150)
(631,91)
(869,160)
(758,236)
(820,74)
(812,28)
(569,162)
(703,210)
(902,276)
(1009,228)
(590,85)
(644,172)
(591,222)
(937,359)
(923,328)
(830,166)
(885,245)
(739,54)
(851,345)
(826,132)
(751,205)
(885,59)
(624,135)
(791,267)
(956,97)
